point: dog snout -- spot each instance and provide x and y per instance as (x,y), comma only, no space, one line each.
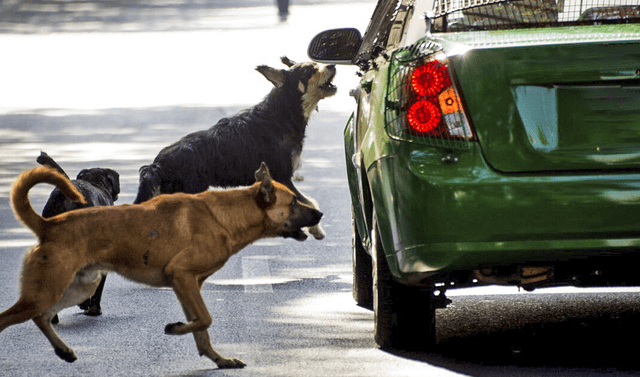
(328,69)
(315,217)
(331,69)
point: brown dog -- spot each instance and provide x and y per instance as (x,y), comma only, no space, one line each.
(172,241)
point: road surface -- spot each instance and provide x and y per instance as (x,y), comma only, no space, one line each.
(101,84)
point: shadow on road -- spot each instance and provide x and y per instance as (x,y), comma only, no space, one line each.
(535,336)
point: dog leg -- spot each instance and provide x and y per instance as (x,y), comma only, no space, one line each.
(21,311)
(28,306)
(187,290)
(45,277)
(203,342)
(24,310)
(38,294)
(206,349)
(92,305)
(60,347)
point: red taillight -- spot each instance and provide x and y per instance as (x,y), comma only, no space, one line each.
(434,108)
(429,80)
(424,116)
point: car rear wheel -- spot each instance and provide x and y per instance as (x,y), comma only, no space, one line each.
(404,316)
(362,270)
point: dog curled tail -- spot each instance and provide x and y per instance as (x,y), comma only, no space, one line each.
(20,195)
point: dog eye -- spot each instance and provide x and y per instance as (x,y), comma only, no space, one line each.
(294,202)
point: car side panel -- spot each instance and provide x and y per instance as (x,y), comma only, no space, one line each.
(371,143)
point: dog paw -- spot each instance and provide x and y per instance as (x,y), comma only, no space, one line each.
(171,329)
(85,305)
(67,355)
(93,311)
(230,363)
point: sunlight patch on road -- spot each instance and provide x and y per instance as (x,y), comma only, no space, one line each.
(256,268)
(505,290)
(256,276)
(120,151)
(202,67)
(269,242)
(318,162)
(316,309)
(6,244)
(249,282)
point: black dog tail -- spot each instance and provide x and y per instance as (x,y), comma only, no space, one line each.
(45,160)
(149,183)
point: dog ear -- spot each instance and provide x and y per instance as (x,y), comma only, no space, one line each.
(288,62)
(266,195)
(86,175)
(276,76)
(262,173)
(114,179)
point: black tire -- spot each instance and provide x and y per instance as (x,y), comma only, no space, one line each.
(362,270)
(404,316)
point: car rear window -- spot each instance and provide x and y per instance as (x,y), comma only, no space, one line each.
(470,15)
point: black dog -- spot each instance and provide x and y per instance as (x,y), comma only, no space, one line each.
(227,154)
(100,187)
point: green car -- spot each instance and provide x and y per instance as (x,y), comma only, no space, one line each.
(494,142)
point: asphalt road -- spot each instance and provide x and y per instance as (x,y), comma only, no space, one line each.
(100,84)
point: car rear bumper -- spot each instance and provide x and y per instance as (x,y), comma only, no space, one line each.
(442,212)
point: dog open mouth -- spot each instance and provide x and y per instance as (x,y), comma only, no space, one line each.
(295,230)
(297,235)
(328,85)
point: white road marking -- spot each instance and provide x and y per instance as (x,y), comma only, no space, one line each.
(256,269)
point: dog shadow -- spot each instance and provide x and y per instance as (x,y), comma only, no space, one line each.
(77,323)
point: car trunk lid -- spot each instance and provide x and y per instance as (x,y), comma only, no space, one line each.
(563,100)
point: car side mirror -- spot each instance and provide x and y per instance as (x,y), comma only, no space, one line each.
(336,46)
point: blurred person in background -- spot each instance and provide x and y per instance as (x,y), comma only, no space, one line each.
(283,10)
